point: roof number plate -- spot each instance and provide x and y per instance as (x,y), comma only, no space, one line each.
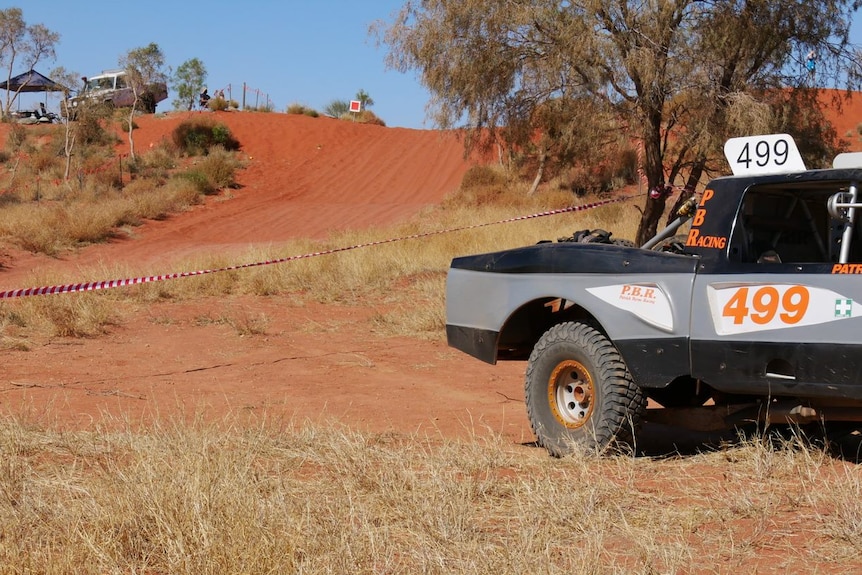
(758,155)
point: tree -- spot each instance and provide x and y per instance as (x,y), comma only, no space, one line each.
(677,76)
(143,67)
(188,81)
(67,78)
(364,99)
(30,43)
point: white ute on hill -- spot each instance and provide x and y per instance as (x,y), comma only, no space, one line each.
(111,88)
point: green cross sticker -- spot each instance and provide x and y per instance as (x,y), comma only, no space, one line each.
(843,307)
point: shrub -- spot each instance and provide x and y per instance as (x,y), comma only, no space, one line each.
(174,196)
(217,104)
(213,173)
(219,167)
(369,117)
(303,110)
(17,137)
(91,131)
(157,162)
(199,180)
(337,108)
(197,137)
(480,176)
(124,125)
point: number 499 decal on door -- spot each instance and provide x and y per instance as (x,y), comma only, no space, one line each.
(757,307)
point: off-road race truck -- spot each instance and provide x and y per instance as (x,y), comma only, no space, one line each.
(754,314)
(111,88)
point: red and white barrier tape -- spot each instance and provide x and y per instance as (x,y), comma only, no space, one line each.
(108,284)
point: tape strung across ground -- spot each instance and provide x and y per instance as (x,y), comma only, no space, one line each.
(108,284)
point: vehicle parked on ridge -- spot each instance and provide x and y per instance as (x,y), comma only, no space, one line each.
(112,88)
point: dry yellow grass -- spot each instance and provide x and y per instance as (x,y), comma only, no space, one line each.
(256,496)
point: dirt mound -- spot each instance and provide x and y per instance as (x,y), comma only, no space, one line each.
(304,177)
(844,111)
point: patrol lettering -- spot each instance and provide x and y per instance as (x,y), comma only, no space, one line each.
(847,269)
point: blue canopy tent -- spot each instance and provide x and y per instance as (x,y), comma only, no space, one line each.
(32,81)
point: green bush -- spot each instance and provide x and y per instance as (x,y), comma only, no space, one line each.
(337,108)
(198,137)
(215,172)
(199,180)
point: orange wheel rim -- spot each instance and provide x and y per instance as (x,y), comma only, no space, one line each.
(571,394)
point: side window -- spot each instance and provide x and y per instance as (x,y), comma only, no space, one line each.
(121,82)
(788,225)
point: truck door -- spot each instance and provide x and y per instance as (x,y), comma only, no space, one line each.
(777,313)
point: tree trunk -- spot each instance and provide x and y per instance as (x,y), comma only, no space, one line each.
(539,173)
(654,169)
(131,124)
(68,146)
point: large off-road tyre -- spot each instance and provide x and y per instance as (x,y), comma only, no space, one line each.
(579,393)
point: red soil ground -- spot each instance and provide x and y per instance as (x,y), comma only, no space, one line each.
(305,178)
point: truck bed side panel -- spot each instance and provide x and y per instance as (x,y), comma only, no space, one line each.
(649,304)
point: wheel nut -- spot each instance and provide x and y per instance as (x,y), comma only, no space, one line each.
(580,394)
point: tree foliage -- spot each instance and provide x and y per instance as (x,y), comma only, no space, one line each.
(189,80)
(675,76)
(28,43)
(143,67)
(363,97)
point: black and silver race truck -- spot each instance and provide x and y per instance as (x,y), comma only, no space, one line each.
(754,314)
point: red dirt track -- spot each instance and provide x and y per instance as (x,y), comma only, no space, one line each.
(305,177)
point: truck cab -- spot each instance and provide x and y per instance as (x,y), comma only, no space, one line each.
(773,310)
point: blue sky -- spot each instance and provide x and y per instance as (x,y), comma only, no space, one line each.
(309,52)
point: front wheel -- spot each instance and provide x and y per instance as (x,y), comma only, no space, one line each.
(579,392)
